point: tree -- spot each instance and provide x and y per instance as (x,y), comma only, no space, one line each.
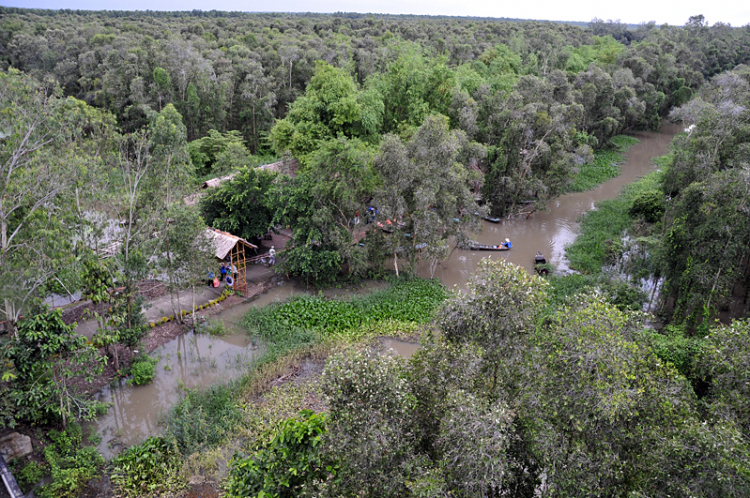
(45,140)
(320,206)
(218,152)
(369,430)
(603,413)
(425,190)
(705,248)
(241,206)
(722,363)
(331,108)
(47,356)
(498,313)
(193,249)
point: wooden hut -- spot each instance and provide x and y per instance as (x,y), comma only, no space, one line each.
(233,250)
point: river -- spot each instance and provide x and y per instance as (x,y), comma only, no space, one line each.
(550,231)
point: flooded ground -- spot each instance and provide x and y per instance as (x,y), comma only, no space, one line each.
(550,231)
(190,361)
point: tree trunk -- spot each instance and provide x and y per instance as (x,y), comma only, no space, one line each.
(395,261)
(192,295)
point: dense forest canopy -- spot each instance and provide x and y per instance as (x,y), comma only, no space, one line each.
(111,119)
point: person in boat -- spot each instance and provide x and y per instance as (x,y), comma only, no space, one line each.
(507,244)
(539,258)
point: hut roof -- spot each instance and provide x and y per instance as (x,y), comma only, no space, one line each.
(215,182)
(224,242)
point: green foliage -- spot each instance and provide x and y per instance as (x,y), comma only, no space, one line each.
(330,108)
(649,205)
(30,474)
(143,370)
(71,465)
(215,328)
(293,459)
(604,166)
(218,152)
(722,362)
(706,243)
(202,419)
(624,295)
(673,345)
(412,300)
(320,206)
(147,468)
(602,229)
(369,431)
(47,354)
(241,206)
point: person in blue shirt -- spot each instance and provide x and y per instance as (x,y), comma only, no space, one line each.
(210,279)
(223,271)
(507,243)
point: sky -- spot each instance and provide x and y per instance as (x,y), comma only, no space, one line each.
(734,12)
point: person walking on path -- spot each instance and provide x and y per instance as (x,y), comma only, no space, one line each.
(272,255)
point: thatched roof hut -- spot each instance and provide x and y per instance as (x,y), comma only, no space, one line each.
(224,242)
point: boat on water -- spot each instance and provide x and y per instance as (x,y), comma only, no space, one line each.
(503,246)
(489,218)
(540,264)
(485,247)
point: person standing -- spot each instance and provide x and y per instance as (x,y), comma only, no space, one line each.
(223,272)
(272,255)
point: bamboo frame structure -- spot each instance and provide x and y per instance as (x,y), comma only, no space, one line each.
(237,258)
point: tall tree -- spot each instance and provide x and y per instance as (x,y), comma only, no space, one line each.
(425,191)
(44,146)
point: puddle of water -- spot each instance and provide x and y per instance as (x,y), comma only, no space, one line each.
(190,361)
(400,348)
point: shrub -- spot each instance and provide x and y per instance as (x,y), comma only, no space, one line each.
(214,328)
(146,468)
(648,205)
(143,370)
(293,458)
(29,474)
(202,418)
(71,465)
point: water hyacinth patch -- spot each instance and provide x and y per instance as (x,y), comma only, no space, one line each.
(408,301)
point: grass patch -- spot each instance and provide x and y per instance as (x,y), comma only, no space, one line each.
(203,419)
(605,165)
(602,229)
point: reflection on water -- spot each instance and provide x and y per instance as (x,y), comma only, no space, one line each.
(400,348)
(189,361)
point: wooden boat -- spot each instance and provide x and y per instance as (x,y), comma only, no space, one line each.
(485,247)
(491,219)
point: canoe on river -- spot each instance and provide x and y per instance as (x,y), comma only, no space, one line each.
(485,247)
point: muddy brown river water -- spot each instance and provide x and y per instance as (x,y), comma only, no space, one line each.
(550,231)
(193,361)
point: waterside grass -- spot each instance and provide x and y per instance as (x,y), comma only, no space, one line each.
(605,165)
(603,228)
